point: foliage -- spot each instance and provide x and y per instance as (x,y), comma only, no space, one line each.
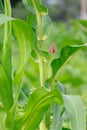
(42,106)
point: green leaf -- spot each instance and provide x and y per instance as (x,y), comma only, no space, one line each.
(31,19)
(6,51)
(65,129)
(44,99)
(1,50)
(10,117)
(44,54)
(39,53)
(34,5)
(76,112)
(62,88)
(57,117)
(35,110)
(5,66)
(2,119)
(34,56)
(65,55)
(1,6)
(25,38)
(5,89)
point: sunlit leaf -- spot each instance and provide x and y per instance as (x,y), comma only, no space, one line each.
(44,99)
(41,98)
(5,67)
(2,119)
(25,37)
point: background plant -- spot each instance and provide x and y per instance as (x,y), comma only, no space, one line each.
(32,110)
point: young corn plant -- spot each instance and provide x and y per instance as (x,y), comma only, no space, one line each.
(47,106)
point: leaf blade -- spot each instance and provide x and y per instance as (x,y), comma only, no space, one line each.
(5,89)
(25,38)
(42,98)
(76,112)
(65,55)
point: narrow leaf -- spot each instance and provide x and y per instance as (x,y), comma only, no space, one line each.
(25,38)
(76,112)
(5,66)
(5,89)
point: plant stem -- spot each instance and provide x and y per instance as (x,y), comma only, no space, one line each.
(49,67)
(40,28)
(39,23)
(47,117)
(41,59)
(40,35)
(42,74)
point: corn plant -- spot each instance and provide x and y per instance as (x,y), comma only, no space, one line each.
(49,104)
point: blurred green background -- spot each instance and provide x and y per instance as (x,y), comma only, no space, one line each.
(62,30)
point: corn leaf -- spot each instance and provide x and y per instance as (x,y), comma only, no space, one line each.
(5,89)
(35,110)
(25,38)
(76,112)
(65,55)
